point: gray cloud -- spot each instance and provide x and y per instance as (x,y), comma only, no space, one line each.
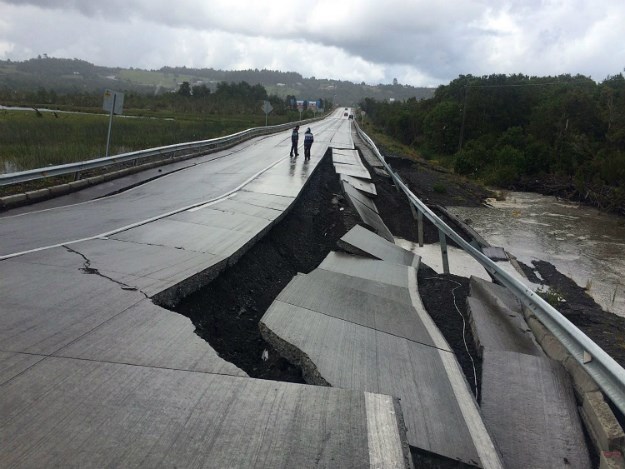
(419,42)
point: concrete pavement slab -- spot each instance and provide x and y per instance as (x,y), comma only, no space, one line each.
(359,184)
(381,289)
(495,253)
(90,414)
(366,152)
(348,355)
(530,410)
(151,269)
(13,363)
(460,262)
(343,139)
(494,294)
(366,209)
(360,197)
(495,324)
(323,296)
(286,178)
(66,314)
(149,335)
(369,269)
(352,170)
(231,205)
(186,236)
(346,157)
(61,304)
(258,199)
(275,185)
(381,172)
(239,222)
(361,241)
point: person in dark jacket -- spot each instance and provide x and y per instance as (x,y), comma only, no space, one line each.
(308,141)
(294,139)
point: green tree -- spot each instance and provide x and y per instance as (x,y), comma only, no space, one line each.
(185,89)
(441,127)
(200,91)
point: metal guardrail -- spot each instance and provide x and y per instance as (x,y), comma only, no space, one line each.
(164,152)
(606,372)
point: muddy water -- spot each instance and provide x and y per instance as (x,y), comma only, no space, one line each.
(582,243)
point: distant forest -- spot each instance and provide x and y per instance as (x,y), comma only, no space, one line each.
(48,80)
(561,135)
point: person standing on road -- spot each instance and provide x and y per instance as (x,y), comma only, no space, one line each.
(308,141)
(294,140)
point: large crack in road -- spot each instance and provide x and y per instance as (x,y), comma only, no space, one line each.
(226,313)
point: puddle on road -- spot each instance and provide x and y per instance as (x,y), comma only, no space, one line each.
(581,242)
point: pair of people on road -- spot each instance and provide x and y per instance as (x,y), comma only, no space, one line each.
(308,141)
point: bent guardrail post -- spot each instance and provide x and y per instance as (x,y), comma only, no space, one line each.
(443,241)
(601,367)
(418,216)
(419,227)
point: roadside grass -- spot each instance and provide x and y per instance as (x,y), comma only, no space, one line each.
(389,144)
(439,188)
(29,142)
(393,147)
(551,296)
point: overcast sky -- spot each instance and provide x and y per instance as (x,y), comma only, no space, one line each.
(419,42)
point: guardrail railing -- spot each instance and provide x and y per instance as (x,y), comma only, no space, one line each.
(170,151)
(606,372)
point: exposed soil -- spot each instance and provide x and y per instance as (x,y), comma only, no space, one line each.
(226,313)
(437,186)
(606,329)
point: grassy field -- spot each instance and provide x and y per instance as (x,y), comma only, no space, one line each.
(166,80)
(28,141)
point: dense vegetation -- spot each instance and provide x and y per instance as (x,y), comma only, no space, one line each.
(563,135)
(227,99)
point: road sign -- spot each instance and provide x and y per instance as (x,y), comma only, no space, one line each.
(267,108)
(113,100)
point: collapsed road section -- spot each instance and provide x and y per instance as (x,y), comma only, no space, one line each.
(94,373)
(127,382)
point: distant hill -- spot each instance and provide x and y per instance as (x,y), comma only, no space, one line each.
(66,76)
